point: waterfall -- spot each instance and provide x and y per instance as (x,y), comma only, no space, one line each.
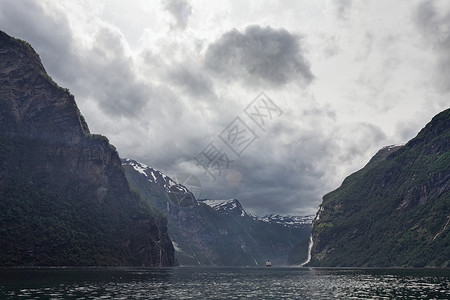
(308,258)
(311,243)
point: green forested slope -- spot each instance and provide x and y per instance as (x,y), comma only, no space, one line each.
(393,212)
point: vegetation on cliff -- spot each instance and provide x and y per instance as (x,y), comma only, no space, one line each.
(393,212)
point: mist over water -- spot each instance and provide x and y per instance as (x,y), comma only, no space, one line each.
(223,283)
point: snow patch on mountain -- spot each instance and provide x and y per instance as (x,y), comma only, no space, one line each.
(229,204)
(155,176)
(288,220)
(140,167)
(390,147)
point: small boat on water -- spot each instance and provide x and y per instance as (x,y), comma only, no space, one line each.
(268,264)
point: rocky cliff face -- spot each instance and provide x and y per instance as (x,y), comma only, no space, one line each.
(64,196)
(393,212)
(219,232)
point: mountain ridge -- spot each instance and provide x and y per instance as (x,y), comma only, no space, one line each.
(217,232)
(394,211)
(64,197)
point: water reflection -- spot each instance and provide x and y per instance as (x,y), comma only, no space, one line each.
(222,283)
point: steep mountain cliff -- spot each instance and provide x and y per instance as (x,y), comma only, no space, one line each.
(219,232)
(393,212)
(64,198)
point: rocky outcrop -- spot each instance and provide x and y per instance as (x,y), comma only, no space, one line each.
(393,212)
(64,197)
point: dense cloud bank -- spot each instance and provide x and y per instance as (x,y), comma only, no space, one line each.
(165,79)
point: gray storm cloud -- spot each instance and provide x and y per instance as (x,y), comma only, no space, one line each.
(260,56)
(284,172)
(434,24)
(192,80)
(110,74)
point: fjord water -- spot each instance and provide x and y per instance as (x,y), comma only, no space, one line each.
(223,283)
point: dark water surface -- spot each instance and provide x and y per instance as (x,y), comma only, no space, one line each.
(223,283)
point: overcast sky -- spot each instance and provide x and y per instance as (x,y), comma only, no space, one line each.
(177,85)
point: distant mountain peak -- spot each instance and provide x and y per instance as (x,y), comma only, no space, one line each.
(288,220)
(153,175)
(233,205)
(229,205)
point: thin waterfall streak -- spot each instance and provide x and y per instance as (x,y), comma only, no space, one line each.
(308,258)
